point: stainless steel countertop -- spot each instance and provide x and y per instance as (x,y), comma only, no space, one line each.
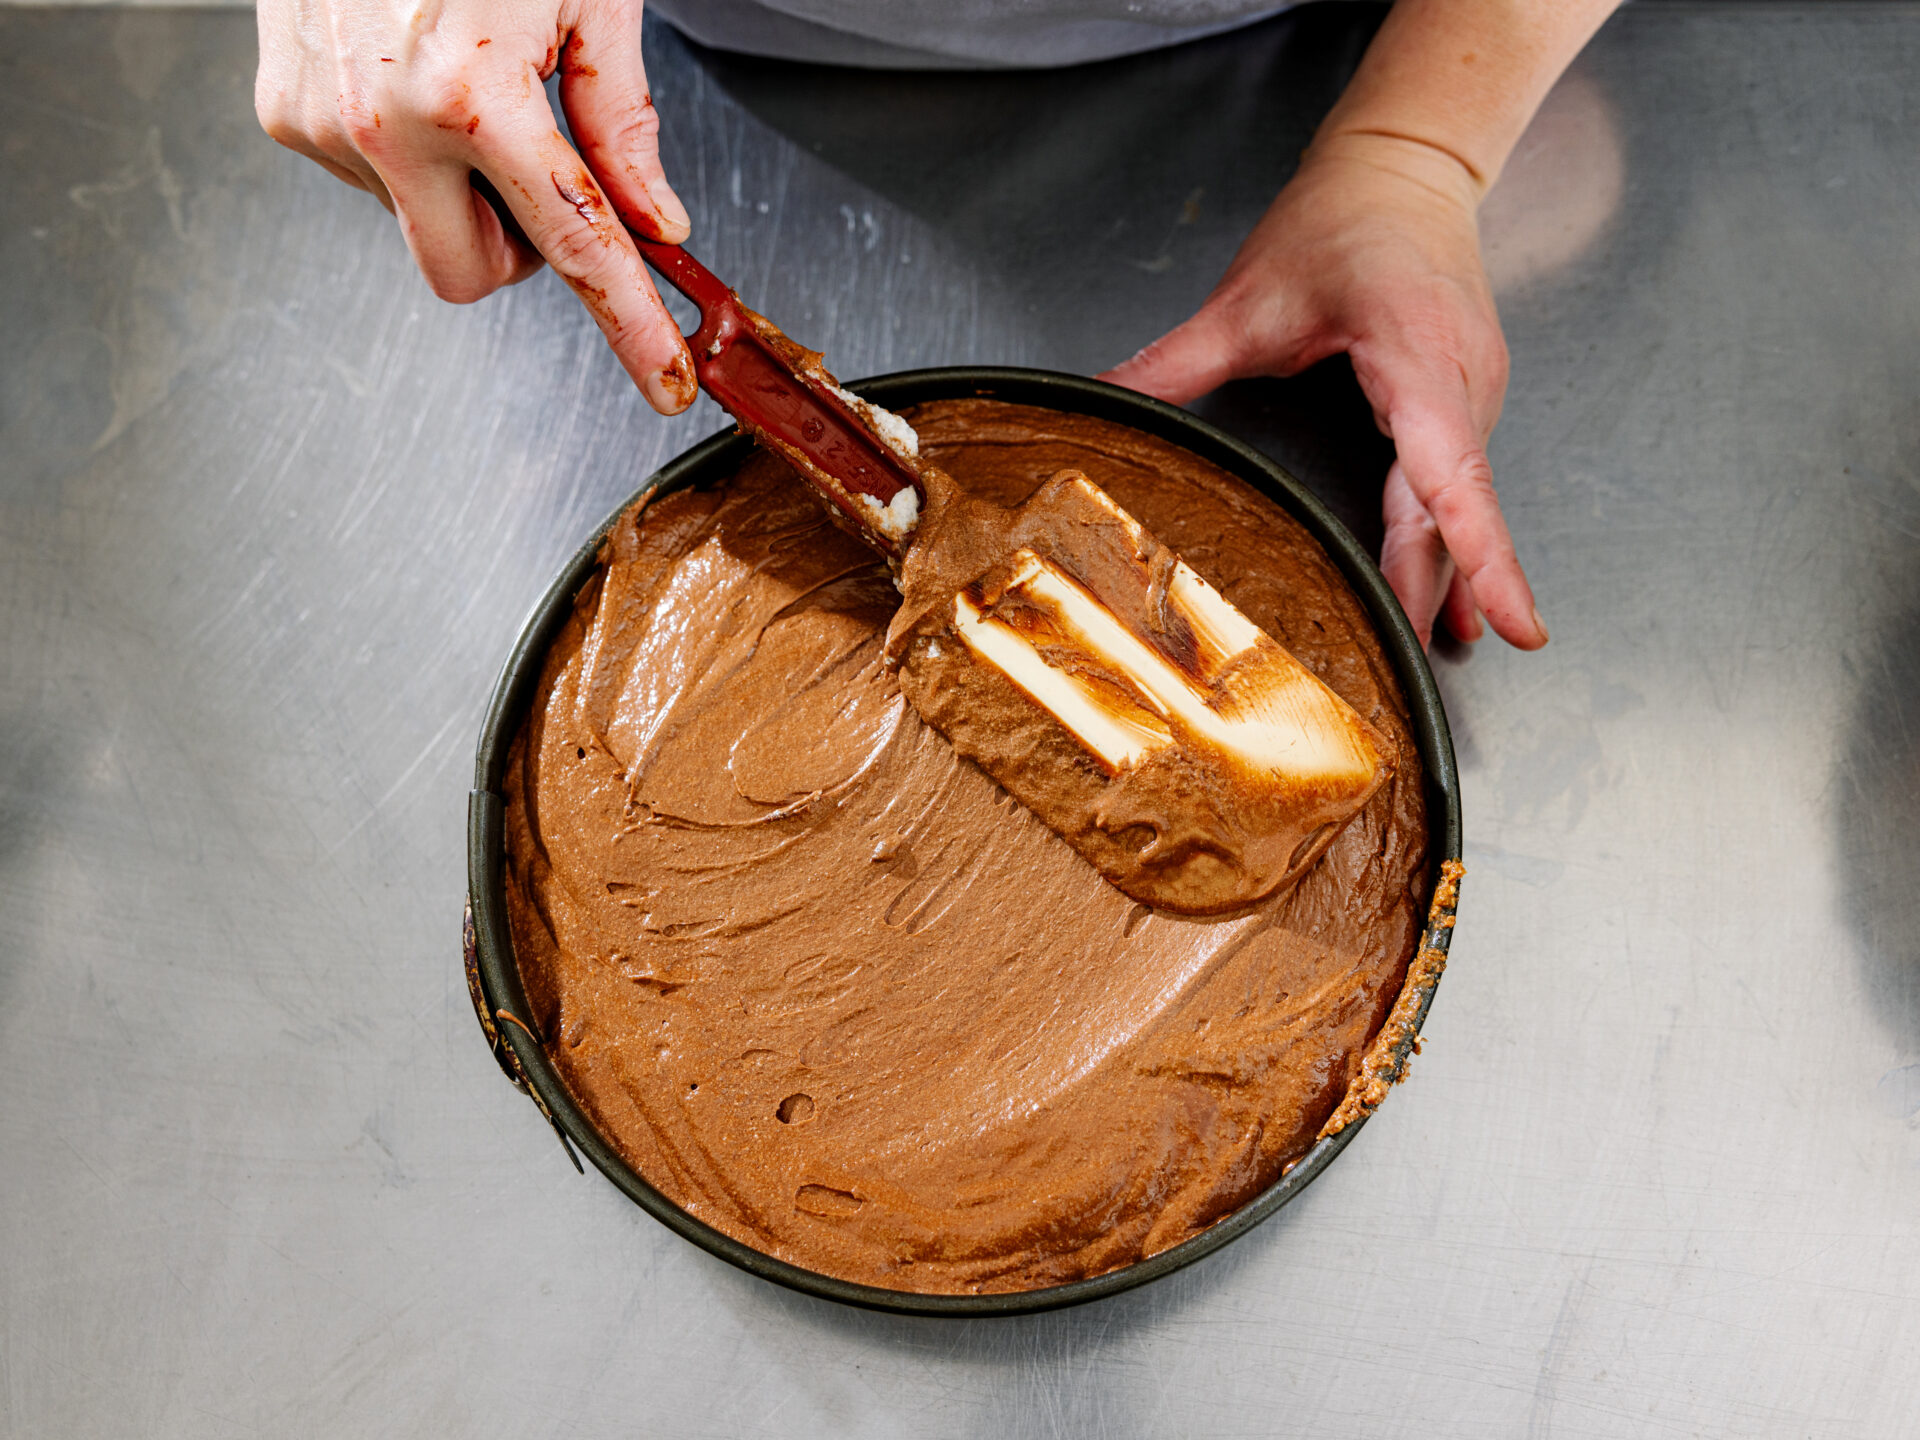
(270,517)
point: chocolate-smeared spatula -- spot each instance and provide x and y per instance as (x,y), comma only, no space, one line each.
(1194,762)
(856,455)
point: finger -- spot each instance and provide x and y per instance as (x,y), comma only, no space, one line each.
(1413,557)
(323,144)
(1459,611)
(345,164)
(530,261)
(1188,361)
(564,213)
(603,88)
(456,239)
(341,172)
(1437,440)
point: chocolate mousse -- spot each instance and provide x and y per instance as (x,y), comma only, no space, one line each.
(823,982)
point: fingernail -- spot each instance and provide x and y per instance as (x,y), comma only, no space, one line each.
(666,218)
(672,213)
(671,390)
(1540,625)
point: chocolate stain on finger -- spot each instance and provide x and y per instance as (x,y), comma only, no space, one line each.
(678,383)
(577,67)
(594,297)
(583,194)
(469,125)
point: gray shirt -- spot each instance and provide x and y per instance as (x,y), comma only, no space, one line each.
(955,34)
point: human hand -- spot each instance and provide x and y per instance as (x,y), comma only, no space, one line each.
(408,100)
(1372,249)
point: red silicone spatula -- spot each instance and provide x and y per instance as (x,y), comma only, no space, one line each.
(779,393)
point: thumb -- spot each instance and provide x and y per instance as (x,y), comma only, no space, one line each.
(1187,361)
(603,88)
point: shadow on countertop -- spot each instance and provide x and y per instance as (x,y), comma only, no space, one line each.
(1877,837)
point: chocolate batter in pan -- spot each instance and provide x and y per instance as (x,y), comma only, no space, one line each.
(829,989)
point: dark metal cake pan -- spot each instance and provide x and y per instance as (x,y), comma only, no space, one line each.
(494,978)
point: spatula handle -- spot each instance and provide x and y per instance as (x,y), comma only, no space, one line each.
(697,283)
(793,412)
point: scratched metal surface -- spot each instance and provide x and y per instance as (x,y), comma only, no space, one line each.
(270,517)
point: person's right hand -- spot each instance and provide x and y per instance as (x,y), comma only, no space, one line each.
(408,98)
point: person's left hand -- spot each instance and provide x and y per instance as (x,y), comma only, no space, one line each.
(1372,249)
